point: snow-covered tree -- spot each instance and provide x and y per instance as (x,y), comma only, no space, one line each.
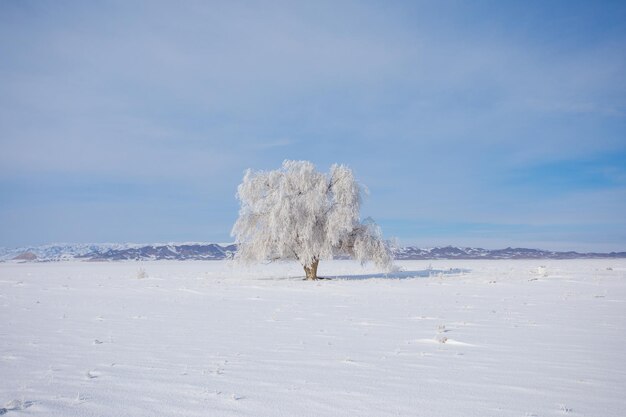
(299,213)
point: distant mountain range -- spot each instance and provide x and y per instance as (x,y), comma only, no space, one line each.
(119,252)
(452,252)
(215,251)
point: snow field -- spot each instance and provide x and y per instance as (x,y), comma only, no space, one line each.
(441,338)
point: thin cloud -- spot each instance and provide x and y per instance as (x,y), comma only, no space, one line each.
(431,105)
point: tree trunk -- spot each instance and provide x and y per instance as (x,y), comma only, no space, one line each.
(311,271)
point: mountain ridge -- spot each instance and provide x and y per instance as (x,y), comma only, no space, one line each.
(218,251)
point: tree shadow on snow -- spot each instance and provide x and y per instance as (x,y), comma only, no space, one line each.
(424,273)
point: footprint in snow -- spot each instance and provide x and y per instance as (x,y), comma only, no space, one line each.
(92,374)
(440,339)
(15,405)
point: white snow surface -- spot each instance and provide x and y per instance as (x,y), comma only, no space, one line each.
(200,338)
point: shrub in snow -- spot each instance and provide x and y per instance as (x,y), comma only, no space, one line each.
(141,273)
(299,213)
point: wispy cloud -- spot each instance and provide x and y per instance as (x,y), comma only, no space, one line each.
(437,108)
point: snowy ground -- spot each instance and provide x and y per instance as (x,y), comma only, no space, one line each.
(465,338)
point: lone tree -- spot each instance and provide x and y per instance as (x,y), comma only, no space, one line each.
(299,213)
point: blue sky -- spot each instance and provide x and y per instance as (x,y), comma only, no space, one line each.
(472,123)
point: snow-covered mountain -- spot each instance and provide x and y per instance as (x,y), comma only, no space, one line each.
(60,251)
(216,251)
(453,252)
(117,252)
